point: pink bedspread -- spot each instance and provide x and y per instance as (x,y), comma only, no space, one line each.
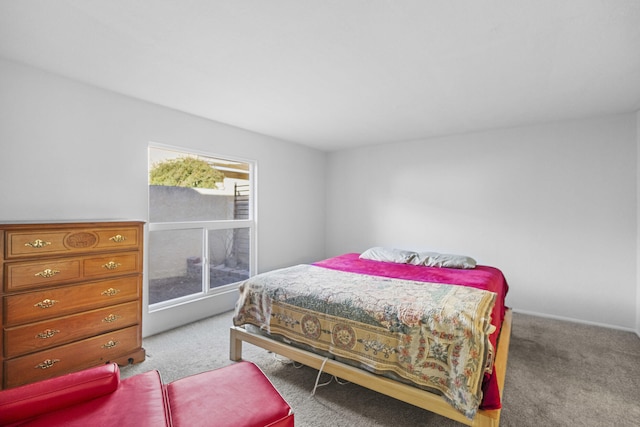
(481,277)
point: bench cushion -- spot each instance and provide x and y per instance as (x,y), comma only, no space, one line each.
(238,395)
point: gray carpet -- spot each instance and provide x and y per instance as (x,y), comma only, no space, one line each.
(559,374)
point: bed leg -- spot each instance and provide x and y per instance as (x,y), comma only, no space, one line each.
(235,346)
(487,419)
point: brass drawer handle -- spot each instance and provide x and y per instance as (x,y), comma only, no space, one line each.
(47,364)
(47,303)
(110,344)
(47,333)
(111,318)
(118,238)
(111,265)
(37,243)
(110,292)
(47,272)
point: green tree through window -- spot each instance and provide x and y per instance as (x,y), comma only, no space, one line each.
(185,172)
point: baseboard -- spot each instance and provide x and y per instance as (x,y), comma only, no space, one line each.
(584,322)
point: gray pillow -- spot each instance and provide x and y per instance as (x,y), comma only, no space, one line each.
(435,259)
(388,255)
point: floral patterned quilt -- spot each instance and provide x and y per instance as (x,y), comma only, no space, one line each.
(432,335)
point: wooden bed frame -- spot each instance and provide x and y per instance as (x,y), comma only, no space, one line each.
(406,393)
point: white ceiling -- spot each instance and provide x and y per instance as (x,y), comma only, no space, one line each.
(335,74)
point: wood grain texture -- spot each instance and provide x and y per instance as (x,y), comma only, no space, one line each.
(71,297)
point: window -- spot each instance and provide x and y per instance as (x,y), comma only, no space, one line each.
(201,225)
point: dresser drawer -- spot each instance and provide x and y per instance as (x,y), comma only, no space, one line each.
(71,357)
(25,275)
(25,339)
(55,302)
(116,264)
(35,243)
(31,274)
(118,239)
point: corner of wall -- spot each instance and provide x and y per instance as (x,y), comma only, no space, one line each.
(638,222)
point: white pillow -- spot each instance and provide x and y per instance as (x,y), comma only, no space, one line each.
(388,255)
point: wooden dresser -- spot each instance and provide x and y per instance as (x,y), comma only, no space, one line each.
(71,297)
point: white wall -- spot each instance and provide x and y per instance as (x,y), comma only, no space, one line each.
(72,151)
(553,206)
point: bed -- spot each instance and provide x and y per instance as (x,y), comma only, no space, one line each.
(431,336)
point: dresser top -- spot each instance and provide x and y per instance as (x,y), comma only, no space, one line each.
(68,223)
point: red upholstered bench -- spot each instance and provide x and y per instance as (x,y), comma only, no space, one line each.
(238,395)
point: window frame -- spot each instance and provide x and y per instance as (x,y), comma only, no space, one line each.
(206,226)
